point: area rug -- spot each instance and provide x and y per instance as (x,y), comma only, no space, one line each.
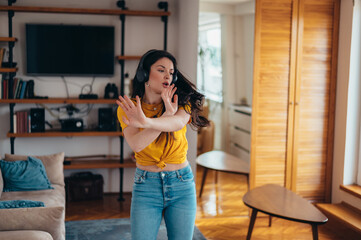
(109,229)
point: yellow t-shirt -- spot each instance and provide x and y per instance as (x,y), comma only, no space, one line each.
(159,152)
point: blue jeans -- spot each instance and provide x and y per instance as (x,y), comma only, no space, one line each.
(170,193)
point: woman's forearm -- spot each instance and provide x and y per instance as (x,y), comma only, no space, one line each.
(138,140)
(141,139)
(168,123)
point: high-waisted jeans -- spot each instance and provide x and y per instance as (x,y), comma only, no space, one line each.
(170,193)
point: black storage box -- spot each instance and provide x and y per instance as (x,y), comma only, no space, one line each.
(84,186)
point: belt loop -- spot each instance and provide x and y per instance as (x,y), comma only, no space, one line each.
(178,174)
(144,174)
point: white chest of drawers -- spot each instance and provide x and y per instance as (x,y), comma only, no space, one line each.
(239,130)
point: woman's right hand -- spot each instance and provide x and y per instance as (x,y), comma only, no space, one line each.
(134,114)
(171,107)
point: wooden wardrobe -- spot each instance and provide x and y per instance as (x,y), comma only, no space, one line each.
(295,62)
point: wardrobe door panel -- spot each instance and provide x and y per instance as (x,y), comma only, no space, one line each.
(270,91)
(314,109)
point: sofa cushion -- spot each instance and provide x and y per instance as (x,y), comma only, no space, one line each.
(48,219)
(20,204)
(30,235)
(24,175)
(53,165)
(50,197)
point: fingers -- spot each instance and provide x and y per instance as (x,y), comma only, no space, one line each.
(121,103)
(173,91)
(128,101)
(139,106)
(167,93)
(125,120)
(125,103)
(175,100)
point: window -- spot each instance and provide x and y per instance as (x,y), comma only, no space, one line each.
(354,90)
(209,56)
(359,157)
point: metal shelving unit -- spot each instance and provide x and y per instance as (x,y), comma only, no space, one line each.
(122,12)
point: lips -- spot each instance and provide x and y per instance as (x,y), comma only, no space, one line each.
(165,84)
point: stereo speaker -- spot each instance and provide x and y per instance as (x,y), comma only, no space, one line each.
(106,120)
(37,116)
(72,125)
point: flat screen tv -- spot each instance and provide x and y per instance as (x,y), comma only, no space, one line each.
(69,50)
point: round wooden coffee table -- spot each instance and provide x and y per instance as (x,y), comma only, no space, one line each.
(278,201)
(223,162)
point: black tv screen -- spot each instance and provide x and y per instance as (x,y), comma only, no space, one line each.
(69,50)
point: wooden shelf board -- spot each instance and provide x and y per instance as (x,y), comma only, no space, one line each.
(353,189)
(60,101)
(129,57)
(8,39)
(67,134)
(345,213)
(103,163)
(4,70)
(84,11)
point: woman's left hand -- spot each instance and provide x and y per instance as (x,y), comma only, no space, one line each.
(135,115)
(167,94)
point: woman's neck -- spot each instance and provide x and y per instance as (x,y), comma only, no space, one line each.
(150,98)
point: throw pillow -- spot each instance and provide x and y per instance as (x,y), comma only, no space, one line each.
(20,204)
(24,175)
(53,165)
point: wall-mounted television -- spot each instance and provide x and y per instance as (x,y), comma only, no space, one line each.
(69,50)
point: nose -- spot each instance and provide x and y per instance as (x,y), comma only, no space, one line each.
(167,75)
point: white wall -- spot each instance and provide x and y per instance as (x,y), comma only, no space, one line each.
(187,14)
(141,34)
(343,152)
(244,48)
(237,26)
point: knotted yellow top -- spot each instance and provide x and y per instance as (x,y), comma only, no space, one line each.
(161,150)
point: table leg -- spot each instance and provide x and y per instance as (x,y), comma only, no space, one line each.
(203,181)
(270,221)
(251,223)
(248,181)
(314,231)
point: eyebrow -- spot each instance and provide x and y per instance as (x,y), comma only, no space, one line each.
(164,67)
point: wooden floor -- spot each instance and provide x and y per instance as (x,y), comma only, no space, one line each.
(221,213)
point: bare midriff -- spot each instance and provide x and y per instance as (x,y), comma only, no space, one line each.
(169,167)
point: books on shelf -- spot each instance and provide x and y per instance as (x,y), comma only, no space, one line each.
(2,54)
(22,122)
(20,88)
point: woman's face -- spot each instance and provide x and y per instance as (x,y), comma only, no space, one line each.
(161,75)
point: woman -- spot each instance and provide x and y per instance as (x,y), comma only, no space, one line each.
(154,125)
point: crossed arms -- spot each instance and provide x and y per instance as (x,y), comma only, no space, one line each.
(173,119)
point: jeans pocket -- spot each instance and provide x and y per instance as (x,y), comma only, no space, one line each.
(138,178)
(187,177)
